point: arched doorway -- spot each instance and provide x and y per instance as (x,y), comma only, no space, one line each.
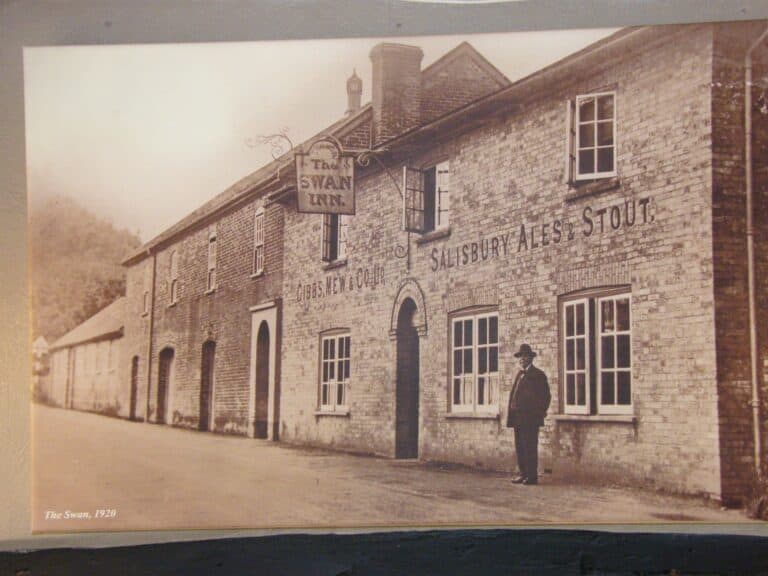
(262,381)
(164,383)
(407,392)
(206,386)
(134,386)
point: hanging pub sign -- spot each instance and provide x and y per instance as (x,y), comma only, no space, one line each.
(325,178)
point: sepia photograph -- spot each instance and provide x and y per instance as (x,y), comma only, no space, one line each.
(510,279)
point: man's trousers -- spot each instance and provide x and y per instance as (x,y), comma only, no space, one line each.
(527,449)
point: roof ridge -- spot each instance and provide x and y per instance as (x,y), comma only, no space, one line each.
(464,47)
(248,182)
(90,328)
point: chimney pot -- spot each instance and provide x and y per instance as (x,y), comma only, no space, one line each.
(354,92)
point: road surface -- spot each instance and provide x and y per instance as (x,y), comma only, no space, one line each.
(146,477)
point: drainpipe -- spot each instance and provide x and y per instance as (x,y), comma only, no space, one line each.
(151,332)
(755,403)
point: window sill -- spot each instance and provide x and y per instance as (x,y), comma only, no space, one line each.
(433,235)
(585,188)
(335,264)
(472,415)
(615,418)
(341,413)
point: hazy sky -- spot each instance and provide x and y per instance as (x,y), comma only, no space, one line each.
(144,134)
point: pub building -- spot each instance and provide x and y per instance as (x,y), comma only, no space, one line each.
(596,209)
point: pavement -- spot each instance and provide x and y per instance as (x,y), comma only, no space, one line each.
(149,477)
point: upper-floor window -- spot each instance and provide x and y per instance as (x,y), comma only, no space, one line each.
(475,362)
(334,371)
(211,282)
(145,288)
(596,339)
(426,199)
(334,237)
(173,276)
(258,242)
(591,137)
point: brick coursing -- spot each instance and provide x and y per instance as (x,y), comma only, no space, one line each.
(359,137)
(222,315)
(680,177)
(396,89)
(502,176)
(453,85)
(730,253)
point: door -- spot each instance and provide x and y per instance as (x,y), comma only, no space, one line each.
(264,373)
(134,386)
(407,393)
(262,381)
(206,386)
(164,383)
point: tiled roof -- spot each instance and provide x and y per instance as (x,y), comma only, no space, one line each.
(506,95)
(108,321)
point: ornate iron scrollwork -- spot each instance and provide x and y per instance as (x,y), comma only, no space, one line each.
(363,159)
(279,143)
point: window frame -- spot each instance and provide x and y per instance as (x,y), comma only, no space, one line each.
(438,200)
(173,273)
(427,199)
(573,138)
(576,408)
(210,281)
(334,244)
(145,289)
(259,249)
(614,408)
(592,300)
(493,378)
(333,383)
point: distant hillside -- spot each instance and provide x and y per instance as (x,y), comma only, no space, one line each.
(74,265)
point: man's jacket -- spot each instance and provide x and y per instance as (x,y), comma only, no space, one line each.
(529,399)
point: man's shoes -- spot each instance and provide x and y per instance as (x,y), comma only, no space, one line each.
(518,480)
(530,481)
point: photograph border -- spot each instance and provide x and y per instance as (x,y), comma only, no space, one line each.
(77,22)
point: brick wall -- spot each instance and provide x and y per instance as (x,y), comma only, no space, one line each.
(395,89)
(679,170)
(452,85)
(760,167)
(359,136)
(730,253)
(507,175)
(198,316)
(136,332)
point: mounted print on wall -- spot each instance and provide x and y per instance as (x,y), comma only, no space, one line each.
(499,279)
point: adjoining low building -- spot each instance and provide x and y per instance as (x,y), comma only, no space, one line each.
(596,209)
(85,365)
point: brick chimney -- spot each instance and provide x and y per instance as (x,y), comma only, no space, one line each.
(396,89)
(354,93)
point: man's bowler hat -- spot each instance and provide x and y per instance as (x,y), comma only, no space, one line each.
(525,350)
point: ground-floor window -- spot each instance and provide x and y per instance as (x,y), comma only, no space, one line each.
(596,340)
(475,362)
(334,371)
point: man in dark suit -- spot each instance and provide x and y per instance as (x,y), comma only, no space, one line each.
(528,404)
